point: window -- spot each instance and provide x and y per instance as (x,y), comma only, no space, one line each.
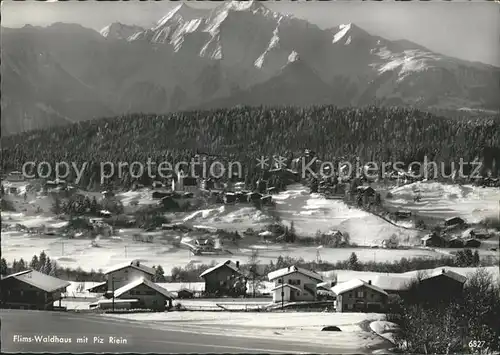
(349,306)
(298,293)
(279,281)
(360,294)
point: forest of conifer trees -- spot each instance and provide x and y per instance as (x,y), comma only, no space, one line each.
(243,134)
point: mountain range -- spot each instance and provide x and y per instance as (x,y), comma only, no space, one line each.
(239,53)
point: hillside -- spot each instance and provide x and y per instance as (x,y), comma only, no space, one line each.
(237,53)
(245,133)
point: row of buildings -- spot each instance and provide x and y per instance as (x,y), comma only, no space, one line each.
(130,286)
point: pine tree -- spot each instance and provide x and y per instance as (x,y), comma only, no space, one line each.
(53,269)
(15,266)
(42,259)
(159,275)
(475,258)
(47,268)
(22,265)
(3,267)
(35,264)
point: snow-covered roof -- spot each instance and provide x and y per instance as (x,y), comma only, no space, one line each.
(290,270)
(353,284)
(117,301)
(286,285)
(227,263)
(449,273)
(133,264)
(142,281)
(97,285)
(178,286)
(392,283)
(327,284)
(39,280)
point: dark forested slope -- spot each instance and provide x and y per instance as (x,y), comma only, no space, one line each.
(373,134)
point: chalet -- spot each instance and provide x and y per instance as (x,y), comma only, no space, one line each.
(433,240)
(104,214)
(359,296)
(332,238)
(222,278)
(472,243)
(390,243)
(146,293)
(123,274)
(181,182)
(31,289)
(229,197)
(440,285)
(293,284)
(324,290)
(115,304)
(455,242)
(454,221)
(101,287)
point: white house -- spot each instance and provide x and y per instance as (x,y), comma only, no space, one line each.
(293,284)
(123,274)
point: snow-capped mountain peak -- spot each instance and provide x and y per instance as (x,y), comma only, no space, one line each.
(252,6)
(118,30)
(181,12)
(293,57)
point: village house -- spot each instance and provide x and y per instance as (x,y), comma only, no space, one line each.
(391,243)
(184,183)
(123,274)
(223,278)
(440,285)
(15,176)
(433,240)
(146,293)
(359,296)
(472,243)
(294,284)
(455,242)
(31,289)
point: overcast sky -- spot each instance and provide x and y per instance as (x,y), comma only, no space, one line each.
(467,30)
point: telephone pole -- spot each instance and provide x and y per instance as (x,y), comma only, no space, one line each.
(282,294)
(113,287)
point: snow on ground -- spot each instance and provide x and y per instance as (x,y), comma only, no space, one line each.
(472,203)
(313,212)
(385,329)
(346,275)
(292,326)
(228,217)
(111,251)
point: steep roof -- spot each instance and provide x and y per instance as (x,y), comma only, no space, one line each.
(451,274)
(227,263)
(133,264)
(141,281)
(286,285)
(41,281)
(353,284)
(290,270)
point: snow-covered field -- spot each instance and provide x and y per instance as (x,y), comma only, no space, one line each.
(299,326)
(472,203)
(312,212)
(309,213)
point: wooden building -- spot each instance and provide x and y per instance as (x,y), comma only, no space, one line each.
(31,289)
(294,284)
(359,296)
(222,278)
